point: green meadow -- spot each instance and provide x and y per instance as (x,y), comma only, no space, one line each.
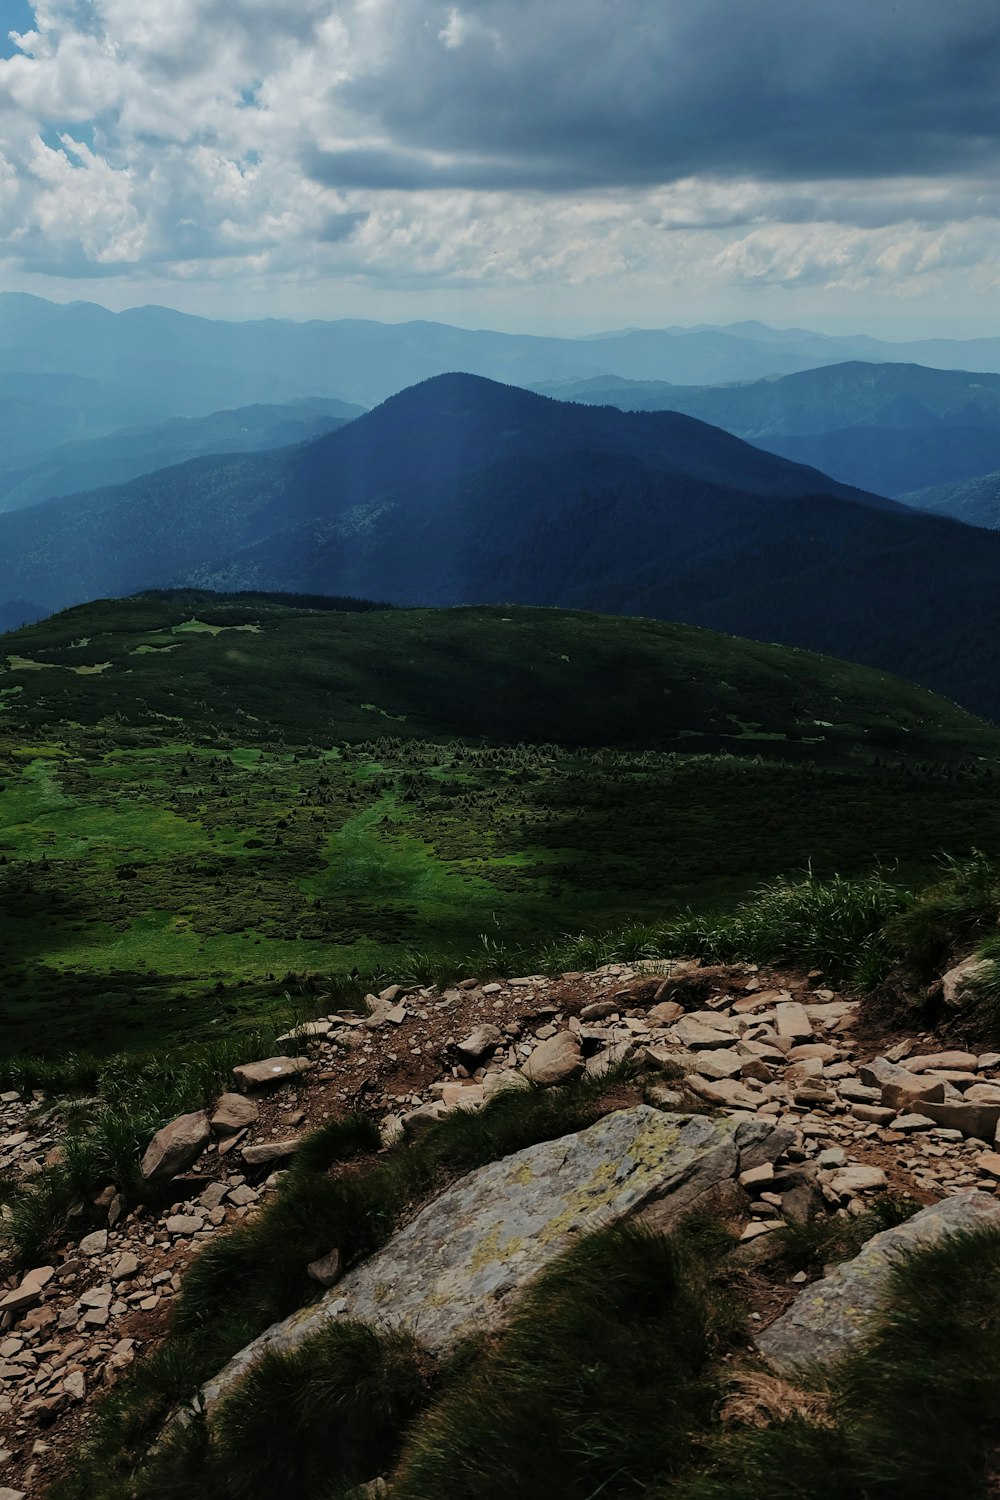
(169,875)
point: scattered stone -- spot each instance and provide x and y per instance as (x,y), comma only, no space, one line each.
(508,1078)
(479,1044)
(269,1073)
(695,1034)
(757,1176)
(233,1112)
(178,1224)
(933,1061)
(29,1291)
(328,1269)
(126,1266)
(269,1151)
(792,1022)
(903,1096)
(96,1243)
(850,1180)
(979,1120)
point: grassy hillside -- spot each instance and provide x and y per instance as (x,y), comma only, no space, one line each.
(202,799)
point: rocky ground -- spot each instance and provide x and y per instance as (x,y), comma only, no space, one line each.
(866,1115)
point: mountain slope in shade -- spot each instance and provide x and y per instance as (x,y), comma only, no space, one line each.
(464,491)
(894,461)
(99,462)
(402,493)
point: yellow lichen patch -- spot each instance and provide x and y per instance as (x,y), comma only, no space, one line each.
(99,666)
(493,1248)
(154,650)
(202,627)
(25,664)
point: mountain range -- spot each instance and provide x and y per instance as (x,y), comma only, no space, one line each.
(174,364)
(461,490)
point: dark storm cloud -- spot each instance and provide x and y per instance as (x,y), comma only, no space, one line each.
(559,94)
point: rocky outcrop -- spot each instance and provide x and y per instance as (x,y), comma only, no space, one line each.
(458,1266)
(829,1318)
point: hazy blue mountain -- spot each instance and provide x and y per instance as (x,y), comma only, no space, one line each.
(464,491)
(191,366)
(895,460)
(828,399)
(974,501)
(37,411)
(888,428)
(99,462)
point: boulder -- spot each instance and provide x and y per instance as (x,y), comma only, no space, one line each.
(958,986)
(828,1318)
(457,1267)
(478,1044)
(269,1072)
(979,1120)
(233,1112)
(176,1146)
(555,1060)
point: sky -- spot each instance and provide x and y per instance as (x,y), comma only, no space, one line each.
(543,165)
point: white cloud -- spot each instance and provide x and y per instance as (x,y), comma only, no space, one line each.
(613,149)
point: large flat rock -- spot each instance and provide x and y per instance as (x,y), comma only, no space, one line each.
(829,1318)
(458,1265)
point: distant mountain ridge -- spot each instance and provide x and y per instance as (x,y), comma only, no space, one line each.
(461,491)
(887,428)
(189,365)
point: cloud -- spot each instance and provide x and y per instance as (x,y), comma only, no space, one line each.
(504,143)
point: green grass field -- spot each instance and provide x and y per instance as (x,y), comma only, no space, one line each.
(162,879)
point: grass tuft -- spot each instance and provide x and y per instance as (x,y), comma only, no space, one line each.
(596,1387)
